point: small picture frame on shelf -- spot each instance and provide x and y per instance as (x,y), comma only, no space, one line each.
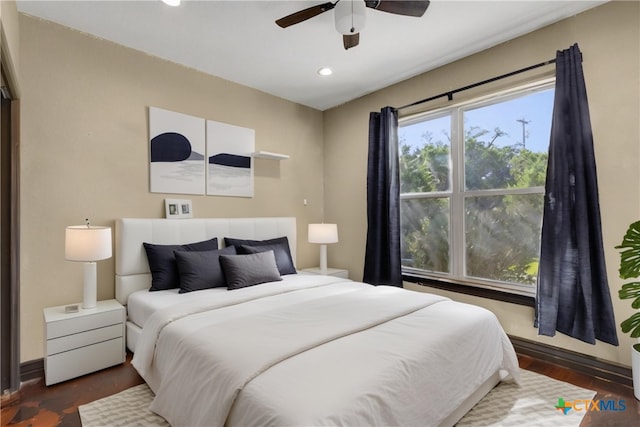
(178,208)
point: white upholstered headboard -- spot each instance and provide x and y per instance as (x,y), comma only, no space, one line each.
(132,267)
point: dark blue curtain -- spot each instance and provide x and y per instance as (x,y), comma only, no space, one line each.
(573,292)
(382,264)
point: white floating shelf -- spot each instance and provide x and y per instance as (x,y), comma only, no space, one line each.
(269,155)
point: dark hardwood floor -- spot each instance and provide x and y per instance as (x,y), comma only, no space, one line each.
(606,390)
(57,405)
(37,405)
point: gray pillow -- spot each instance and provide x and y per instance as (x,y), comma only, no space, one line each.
(241,271)
(201,270)
(279,246)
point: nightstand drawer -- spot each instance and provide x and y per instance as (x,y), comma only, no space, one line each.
(73,324)
(82,339)
(83,360)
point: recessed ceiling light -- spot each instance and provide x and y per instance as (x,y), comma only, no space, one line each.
(171,2)
(325,71)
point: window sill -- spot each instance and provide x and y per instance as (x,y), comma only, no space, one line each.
(471,290)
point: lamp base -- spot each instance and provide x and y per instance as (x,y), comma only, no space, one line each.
(90,285)
(323,259)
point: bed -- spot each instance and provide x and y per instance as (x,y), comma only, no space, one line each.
(299,349)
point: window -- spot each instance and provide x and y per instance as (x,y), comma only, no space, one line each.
(472,189)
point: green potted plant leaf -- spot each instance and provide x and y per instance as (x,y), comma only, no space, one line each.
(630,269)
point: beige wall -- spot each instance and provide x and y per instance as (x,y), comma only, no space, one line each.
(609,37)
(85,154)
(85,150)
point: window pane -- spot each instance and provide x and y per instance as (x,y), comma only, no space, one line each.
(503,237)
(506,143)
(425,233)
(424,156)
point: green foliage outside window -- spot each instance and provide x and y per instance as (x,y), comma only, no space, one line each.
(501,231)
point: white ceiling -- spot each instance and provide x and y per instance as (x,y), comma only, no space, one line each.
(239,41)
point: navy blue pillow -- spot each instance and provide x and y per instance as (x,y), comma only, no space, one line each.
(279,246)
(162,262)
(201,270)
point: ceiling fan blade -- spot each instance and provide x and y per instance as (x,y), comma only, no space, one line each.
(304,14)
(400,7)
(350,40)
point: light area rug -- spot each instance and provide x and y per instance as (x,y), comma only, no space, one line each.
(532,404)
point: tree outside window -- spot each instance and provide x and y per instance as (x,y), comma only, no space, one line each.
(472,189)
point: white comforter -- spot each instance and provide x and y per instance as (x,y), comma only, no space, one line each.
(316,350)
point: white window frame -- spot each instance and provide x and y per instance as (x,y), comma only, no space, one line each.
(457,192)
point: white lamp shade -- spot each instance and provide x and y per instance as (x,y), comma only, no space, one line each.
(323,233)
(350,16)
(82,243)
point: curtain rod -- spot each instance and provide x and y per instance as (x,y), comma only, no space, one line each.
(449,94)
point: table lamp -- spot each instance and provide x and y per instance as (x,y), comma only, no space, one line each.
(88,244)
(323,234)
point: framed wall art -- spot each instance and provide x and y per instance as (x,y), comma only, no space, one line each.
(178,208)
(229,160)
(177,152)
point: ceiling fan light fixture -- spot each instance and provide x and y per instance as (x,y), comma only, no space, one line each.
(171,2)
(350,16)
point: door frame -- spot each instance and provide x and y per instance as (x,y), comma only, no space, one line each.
(9,224)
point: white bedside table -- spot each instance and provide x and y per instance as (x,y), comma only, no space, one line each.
(330,272)
(83,342)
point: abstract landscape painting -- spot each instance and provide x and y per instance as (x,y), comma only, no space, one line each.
(229,161)
(177,152)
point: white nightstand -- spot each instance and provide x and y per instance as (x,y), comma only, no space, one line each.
(83,342)
(330,272)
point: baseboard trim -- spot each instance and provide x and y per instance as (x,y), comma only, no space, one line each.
(32,370)
(588,365)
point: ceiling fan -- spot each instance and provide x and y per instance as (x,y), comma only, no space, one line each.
(350,15)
